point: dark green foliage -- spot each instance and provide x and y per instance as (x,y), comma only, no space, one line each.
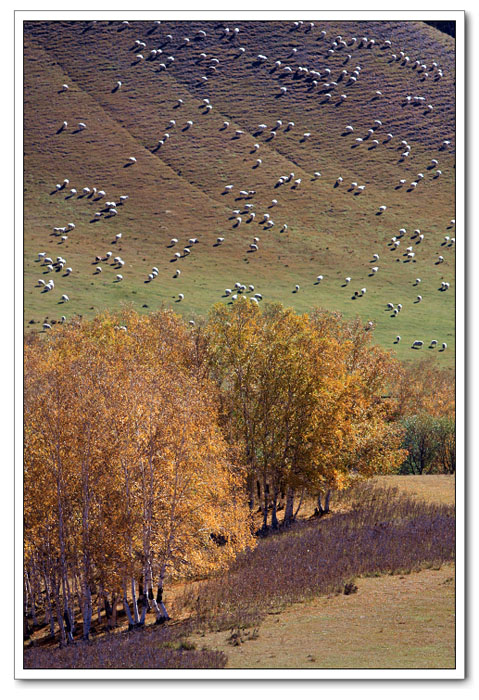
(431,444)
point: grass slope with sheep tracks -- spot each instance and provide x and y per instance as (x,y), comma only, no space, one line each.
(177,190)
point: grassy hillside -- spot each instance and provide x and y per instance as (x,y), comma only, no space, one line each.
(177,190)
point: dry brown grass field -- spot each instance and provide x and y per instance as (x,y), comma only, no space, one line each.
(177,190)
(391,622)
(400,621)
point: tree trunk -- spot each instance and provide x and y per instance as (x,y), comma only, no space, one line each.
(133,596)
(87,612)
(49,617)
(326,500)
(127,610)
(319,508)
(63,637)
(159,606)
(265,505)
(288,511)
(274,507)
(299,504)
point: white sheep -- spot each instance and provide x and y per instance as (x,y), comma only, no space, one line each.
(119,278)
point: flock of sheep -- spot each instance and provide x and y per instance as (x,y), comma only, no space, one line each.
(247,208)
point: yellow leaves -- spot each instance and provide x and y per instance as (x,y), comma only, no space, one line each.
(117,422)
(305,399)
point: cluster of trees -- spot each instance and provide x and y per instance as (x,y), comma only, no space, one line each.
(426,409)
(127,474)
(148,450)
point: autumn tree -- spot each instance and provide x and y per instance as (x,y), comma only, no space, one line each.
(128,479)
(303,396)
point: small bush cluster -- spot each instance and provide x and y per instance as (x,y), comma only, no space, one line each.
(430,442)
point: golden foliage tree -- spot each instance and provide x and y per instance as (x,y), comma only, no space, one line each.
(128,480)
(302,394)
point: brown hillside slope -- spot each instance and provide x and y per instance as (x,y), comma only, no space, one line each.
(177,190)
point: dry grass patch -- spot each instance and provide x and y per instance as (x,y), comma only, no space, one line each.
(391,622)
(433,488)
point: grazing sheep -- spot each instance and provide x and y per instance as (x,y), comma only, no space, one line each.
(444,346)
(119,278)
(418,343)
(347,280)
(181,297)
